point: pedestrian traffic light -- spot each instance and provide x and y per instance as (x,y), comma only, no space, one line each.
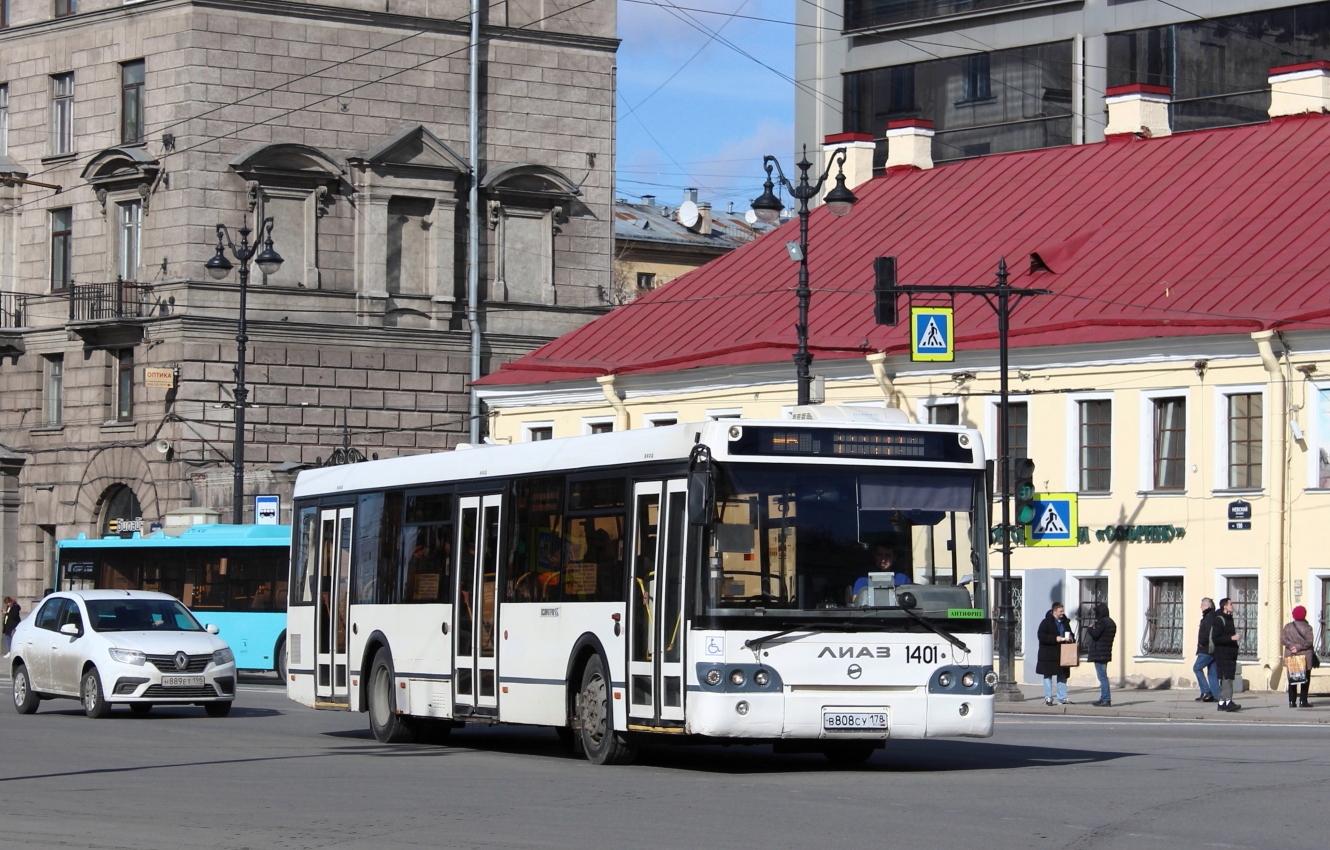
(1022,469)
(884,290)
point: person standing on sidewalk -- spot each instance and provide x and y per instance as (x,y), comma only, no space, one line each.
(1298,639)
(1225,638)
(12,614)
(1100,651)
(1054,630)
(1205,668)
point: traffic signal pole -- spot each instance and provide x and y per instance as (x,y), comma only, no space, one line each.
(998,296)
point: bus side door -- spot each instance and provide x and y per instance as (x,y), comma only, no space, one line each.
(655,609)
(475,644)
(334,582)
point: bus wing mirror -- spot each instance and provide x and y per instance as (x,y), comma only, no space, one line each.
(701,487)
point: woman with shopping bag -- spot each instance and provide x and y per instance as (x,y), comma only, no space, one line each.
(1057,653)
(1299,657)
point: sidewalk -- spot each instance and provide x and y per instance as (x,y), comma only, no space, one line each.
(1170,704)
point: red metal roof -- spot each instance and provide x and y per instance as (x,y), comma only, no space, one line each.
(1213,232)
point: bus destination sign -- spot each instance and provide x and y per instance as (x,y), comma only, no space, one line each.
(850,443)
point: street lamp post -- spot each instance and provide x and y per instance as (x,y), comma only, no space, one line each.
(768,208)
(218,267)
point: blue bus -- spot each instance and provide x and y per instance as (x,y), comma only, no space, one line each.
(233,576)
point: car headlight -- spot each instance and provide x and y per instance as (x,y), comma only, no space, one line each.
(223,656)
(128,656)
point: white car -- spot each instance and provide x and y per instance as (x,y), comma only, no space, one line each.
(107,647)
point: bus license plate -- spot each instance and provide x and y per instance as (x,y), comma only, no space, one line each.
(848,721)
(182,681)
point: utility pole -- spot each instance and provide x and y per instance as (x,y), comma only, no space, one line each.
(998,296)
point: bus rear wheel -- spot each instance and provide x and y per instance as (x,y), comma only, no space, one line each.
(279,659)
(600,742)
(388,726)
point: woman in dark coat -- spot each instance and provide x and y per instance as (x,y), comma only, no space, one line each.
(1100,650)
(1298,638)
(1225,637)
(1054,631)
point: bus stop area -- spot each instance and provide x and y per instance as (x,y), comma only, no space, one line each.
(1173,704)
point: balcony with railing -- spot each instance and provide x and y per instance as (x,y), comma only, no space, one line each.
(12,321)
(109,314)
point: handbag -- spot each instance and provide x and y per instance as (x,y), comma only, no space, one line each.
(1070,655)
(1296,667)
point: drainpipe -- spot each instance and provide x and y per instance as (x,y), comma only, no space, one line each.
(473,222)
(616,401)
(1278,389)
(877,361)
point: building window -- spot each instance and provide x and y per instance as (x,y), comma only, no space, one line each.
(62,114)
(129,230)
(1244,591)
(646,281)
(4,101)
(1096,441)
(4,19)
(123,363)
(944,414)
(600,427)
(1164,618)
(65,7)
(50,553)
(1092,592)
(1323,644)
(875,13)
(1017,603)
(1018,434)
(55,389)
(131,103)
(1170,443)
(62,239)
(535,435)
(978,82)
(1244,440)
(662,421)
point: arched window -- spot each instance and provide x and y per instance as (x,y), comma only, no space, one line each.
(118,503)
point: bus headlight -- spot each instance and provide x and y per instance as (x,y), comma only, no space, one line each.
(761,678)
(713,677)
(967,681)
(128,656)
(223,656)
(944,680)
(990,678)
(737,678)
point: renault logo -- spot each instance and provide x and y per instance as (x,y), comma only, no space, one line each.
(181,661)
(854,671)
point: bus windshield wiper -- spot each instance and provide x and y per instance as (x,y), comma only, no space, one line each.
(755,644)
(952,639)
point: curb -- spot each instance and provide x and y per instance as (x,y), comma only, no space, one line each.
(1261,713)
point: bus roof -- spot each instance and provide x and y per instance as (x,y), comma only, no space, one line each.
(197,535)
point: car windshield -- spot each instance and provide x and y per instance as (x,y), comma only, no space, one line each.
(809,539)
(140,615)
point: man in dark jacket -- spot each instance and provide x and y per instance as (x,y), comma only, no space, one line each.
(1225,638)
(1100,650)
(1054,630)
(1205,668)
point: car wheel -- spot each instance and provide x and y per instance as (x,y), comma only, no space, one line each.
(25,698)
(388,726)
(217,709)
(140,708)
(279,660)
(94,700)
(600,742)
(849,753)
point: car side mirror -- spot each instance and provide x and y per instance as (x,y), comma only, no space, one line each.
(70,629)
(212,630)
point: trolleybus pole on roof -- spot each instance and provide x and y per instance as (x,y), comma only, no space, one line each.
(998,296)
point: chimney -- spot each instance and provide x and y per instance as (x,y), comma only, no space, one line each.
(690,194)
(704,219)
(858,157)
(910,144)
(649,201)
(1299,89)
(1138,109)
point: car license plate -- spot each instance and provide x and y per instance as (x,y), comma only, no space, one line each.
(849,721)
(182,681)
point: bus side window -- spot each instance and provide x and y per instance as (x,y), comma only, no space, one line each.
(427,548)
(594,548)
(303,559)
(378,548)
(535,542)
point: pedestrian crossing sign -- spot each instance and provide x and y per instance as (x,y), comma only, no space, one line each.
(930,334)
(1055,520)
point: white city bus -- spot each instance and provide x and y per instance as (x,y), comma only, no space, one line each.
(816,583)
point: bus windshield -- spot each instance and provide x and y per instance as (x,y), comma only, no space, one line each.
(834,542)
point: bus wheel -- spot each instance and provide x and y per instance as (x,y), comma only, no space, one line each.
(849,753)
(388,726)
(279,659)
(600,742)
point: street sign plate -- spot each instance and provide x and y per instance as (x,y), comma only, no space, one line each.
(1055,520)
(931,331)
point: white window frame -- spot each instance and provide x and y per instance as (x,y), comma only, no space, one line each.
(1222,575)
(1220,453)
(1143,605)
(1146,442)
(1316,434)
(716,413)
(53,401)
(62,116)
(589,421)
(528,427)
(924,405)
(1072,480)
(654,420)
(1315,601)
(994,578)
(121,234)
(4,115)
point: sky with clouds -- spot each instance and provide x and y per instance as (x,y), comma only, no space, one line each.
(694,110)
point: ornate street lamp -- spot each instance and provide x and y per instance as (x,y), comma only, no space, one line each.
(218,268)
(768,208)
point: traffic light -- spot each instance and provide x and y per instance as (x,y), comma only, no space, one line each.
(884,290)
(1022,469)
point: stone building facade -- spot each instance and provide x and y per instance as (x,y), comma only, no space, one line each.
(128,131)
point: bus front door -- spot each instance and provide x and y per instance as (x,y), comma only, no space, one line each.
(475,668)
(655,611)
(331,606)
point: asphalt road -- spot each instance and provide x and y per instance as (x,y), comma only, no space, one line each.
(277,775)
